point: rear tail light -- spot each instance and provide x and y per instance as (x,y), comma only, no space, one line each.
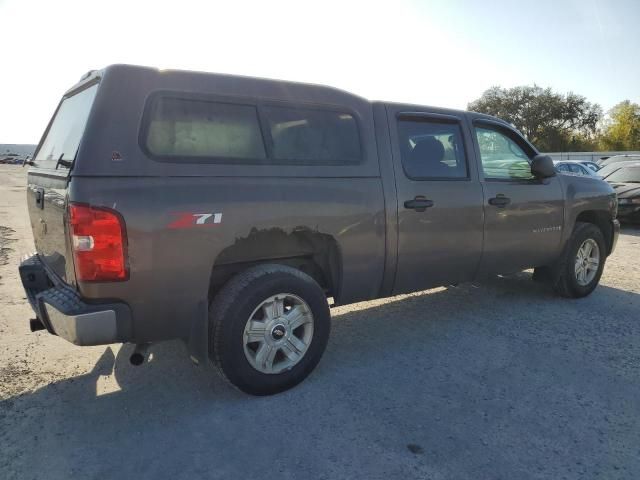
(99,243)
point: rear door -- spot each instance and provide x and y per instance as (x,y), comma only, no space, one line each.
(440,215)
(48,178)
(523,214)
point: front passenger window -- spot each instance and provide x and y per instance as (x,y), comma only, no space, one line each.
(502,158)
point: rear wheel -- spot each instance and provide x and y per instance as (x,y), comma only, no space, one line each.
(581,266)
(269,328)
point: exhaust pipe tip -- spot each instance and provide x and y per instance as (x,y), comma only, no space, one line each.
(139,355)
(136,359)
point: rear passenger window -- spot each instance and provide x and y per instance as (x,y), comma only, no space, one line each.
(432,150)
(312,136)
(196,128)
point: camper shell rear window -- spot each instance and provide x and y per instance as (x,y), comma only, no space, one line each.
(62,138)
(182,129)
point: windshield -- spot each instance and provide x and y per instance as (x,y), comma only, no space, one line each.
(63,137)
(625,175)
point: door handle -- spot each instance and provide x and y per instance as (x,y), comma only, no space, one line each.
(500,201)
(419,204)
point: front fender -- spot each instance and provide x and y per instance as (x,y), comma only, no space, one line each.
(590,200)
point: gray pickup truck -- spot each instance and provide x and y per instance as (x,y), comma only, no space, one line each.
(227,211)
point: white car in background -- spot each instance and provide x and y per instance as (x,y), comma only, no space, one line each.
(574,167)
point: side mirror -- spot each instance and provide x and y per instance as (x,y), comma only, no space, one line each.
(542,167)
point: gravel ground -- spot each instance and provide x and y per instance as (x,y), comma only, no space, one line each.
(500,380)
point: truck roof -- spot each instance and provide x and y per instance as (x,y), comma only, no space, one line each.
(257,84)
(185,75)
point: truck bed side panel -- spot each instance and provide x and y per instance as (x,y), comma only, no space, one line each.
(171,260)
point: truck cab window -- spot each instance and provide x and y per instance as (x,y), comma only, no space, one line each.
(502,158)
(432,150)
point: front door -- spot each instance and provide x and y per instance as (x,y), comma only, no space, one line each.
(440,217)
(523,214)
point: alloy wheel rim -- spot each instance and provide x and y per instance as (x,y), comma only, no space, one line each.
(278,333)
(587,262)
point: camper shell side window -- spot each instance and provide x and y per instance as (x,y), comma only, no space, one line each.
(195,129)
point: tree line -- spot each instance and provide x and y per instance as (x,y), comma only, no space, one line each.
(556,122)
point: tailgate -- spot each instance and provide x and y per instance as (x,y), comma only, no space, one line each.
(46,199)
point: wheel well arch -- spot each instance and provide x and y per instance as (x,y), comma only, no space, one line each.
(314,253)
(602,220)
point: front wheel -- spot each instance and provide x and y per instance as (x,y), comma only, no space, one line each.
(269,327)
(580,269)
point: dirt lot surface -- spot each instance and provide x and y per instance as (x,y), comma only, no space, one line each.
(501,380)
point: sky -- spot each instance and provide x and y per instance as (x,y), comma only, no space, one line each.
(441,53)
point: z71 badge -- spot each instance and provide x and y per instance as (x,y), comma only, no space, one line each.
(190,220)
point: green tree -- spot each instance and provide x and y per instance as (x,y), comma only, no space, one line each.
(622,129)
(551,121)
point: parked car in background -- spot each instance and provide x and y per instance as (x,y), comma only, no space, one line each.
(604,172)
(626,183)
(592,165)
(619,158)
(10,160)
(577,168)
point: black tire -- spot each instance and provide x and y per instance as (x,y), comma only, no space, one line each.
(566,283)
(233,306)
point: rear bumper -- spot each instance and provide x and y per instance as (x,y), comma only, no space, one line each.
(63,312)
